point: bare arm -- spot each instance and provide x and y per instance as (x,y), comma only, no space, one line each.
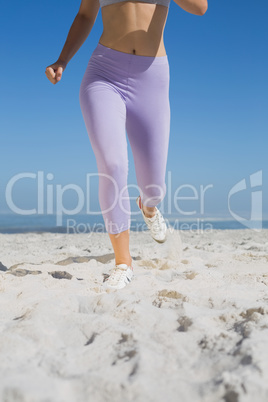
(197,7)
(80,29)
(78,33)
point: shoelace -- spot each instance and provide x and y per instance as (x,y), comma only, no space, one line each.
(157,222)
(157,225)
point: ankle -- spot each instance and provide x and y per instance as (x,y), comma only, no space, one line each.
(150,214)
(127,261)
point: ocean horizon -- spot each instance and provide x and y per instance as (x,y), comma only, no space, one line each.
(86,223)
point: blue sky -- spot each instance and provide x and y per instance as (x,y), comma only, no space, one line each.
(218,96)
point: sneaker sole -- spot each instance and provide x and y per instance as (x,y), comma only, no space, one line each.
(161,241)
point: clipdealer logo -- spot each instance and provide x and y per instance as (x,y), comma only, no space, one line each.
(50,196)
(47,192)
(255,221)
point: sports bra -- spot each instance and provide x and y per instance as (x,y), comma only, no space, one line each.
(161,2)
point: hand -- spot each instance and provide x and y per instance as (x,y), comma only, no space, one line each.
(54,71)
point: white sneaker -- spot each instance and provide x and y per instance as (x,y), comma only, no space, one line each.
(156,224)
(120,276)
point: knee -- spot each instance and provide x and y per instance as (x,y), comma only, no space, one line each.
(114,167)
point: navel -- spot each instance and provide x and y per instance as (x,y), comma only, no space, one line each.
(134,51)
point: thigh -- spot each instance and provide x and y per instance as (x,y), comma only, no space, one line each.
(148,123)
(104,113)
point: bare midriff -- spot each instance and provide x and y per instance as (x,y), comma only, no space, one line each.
(134,27)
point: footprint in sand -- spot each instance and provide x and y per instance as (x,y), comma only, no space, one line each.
(156,263)
(126,351)
(191,275)
(210,265)
(23,272)
(60,275)
(3,267)
(91,339)
(185,322)
(104,259)
(171,298)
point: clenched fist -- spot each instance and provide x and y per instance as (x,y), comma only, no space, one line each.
(54,71)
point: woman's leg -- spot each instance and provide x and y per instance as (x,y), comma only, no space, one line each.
(148,128)
(104,113)
(120,243)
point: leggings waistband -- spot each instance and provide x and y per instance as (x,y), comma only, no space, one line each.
(125,57)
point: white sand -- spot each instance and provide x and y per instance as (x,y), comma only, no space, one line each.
(192,325)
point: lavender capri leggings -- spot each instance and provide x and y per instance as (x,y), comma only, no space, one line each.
(122,92)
